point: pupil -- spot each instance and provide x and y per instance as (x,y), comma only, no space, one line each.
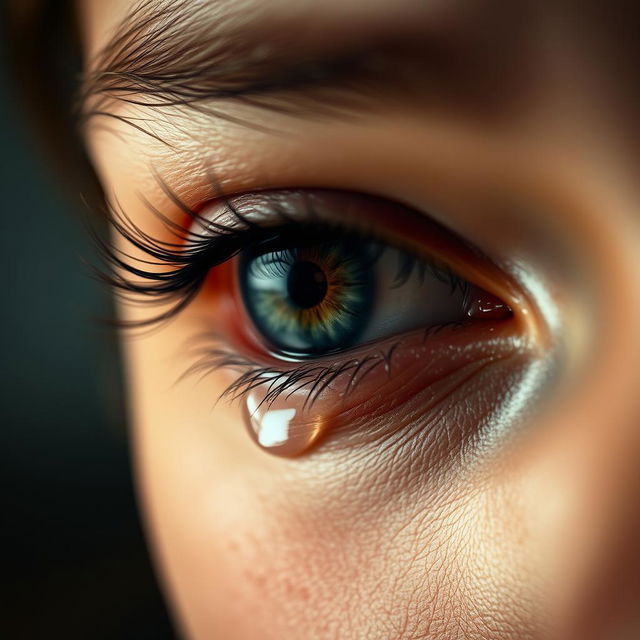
(307,284)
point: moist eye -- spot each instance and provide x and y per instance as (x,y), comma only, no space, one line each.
(326,292)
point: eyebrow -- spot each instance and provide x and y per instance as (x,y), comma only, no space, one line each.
(178,53)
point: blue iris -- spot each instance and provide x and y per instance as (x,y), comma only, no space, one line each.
(311,299)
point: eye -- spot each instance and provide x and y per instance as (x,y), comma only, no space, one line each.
(336,313)
(344,307)
(310,297)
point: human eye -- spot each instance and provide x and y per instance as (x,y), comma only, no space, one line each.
(327,308)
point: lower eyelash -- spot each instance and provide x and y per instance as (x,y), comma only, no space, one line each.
(311,377)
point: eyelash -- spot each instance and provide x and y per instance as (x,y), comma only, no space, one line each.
(173,273)
(194,253)
(314,377)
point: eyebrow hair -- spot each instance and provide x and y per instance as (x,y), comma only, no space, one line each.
(178,53)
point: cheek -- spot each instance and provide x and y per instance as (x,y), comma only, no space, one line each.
(344,547)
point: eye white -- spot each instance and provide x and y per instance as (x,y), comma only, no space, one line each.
(425,299)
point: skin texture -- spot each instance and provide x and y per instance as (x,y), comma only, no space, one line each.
(513,512)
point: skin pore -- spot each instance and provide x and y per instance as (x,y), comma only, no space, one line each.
(497,503)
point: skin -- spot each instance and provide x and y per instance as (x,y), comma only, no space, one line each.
(529,531)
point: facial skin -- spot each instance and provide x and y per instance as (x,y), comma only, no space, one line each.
(509,507)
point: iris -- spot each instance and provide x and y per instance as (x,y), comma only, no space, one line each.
(310,299)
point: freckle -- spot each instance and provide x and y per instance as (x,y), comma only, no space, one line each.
(258,579)
(305,594)
(299,592)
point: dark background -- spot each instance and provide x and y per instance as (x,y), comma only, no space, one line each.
(76,565)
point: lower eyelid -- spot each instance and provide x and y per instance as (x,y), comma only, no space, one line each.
(410,377)
(416,361)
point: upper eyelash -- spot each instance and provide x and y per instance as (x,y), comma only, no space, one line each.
(191,256)
(205,244)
